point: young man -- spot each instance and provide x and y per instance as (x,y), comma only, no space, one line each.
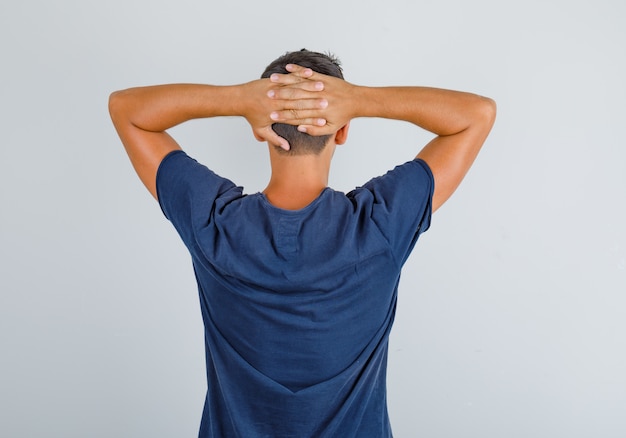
(298,284)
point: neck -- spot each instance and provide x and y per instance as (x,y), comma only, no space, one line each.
(297,180)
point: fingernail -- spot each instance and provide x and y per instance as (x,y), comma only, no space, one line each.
(319,86)
(302,128)
(274,77)
(308,72)
(274,116)
(271,93)
(321,122)
(324,104)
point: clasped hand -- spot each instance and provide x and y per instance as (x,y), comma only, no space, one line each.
(316,103)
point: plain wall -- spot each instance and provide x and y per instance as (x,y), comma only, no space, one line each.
(511,310)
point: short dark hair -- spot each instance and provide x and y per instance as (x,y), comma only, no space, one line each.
(302,143)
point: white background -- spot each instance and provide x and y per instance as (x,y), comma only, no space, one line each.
(511,313)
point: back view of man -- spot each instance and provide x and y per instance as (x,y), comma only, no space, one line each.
(298,284)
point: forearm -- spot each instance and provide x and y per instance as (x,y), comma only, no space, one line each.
(442,112)
(158,108)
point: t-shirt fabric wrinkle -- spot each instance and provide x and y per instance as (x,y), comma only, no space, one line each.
(297,305)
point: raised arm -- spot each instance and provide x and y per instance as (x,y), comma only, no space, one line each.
(460,120)
(142,115)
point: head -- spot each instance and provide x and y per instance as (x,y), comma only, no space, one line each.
(300,142)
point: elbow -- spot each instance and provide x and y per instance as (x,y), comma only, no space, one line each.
(481,114)
(118,105)
(114,104)
(487,111)
(116,100)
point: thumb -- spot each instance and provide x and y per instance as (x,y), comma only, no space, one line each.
(268,134)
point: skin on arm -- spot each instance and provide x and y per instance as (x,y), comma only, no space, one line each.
(461,121)
(142,116)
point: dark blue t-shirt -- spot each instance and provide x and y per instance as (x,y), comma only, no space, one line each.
(297,305)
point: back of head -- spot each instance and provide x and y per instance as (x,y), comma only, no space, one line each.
(300,142)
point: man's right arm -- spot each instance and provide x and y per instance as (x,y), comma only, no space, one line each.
(143,115)
(461,121)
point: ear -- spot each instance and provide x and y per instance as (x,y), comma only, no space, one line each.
(341,136)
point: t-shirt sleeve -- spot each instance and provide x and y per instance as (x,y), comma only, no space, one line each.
(187,192)
(402,205)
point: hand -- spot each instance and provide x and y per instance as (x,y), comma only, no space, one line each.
(256,108)
(263,105)
(318,104)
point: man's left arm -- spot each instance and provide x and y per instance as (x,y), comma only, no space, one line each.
(461,121)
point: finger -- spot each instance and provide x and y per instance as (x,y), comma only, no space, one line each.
(304,90)
(287,78)
(268,134)
(291,79)
(312,121)
(290,108)
(277,140)
(316,130)
(282,108)
(298,70)
(305,73)
(292,115)
(295,77)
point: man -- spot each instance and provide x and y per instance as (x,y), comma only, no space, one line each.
(298,284)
